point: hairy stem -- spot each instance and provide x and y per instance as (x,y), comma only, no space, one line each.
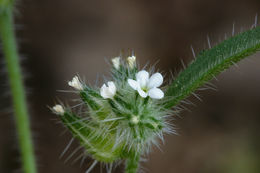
(212,62)
(132,163)
(17,89)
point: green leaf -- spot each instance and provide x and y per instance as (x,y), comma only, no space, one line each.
(211,62)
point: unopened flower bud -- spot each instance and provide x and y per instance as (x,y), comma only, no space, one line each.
(135,119)
(116,62)
(131,61)
(75,83)
(58,109)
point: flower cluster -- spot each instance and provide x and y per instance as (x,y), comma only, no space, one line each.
(144,85)
(124,116)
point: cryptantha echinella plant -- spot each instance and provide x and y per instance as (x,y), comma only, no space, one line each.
(129,113)
(123,118)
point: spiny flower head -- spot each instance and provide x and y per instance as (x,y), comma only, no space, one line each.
(124,116)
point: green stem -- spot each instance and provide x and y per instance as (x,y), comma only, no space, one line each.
(17,89)
(132,163)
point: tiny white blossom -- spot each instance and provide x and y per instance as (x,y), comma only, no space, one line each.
(116,62)
(131,61)
(58,109)
(75,83)
(146,86)
(109,90)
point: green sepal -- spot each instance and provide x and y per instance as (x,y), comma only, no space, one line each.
(123,73)
(89,100)
(101,147)
(90,97)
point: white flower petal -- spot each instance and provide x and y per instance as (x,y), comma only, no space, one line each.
(108,91)
(155,80)
(142,93)
(134,84)
(156,93)
(112,87)
(142,78)
(103,92)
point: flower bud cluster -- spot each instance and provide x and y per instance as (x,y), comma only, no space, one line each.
(124,116)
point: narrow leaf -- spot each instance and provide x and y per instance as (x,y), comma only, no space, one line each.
(211,62)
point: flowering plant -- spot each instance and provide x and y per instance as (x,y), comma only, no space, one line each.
(128,115)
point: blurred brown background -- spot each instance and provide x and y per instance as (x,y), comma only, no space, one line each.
(60,38)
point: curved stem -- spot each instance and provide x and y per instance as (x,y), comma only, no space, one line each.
(132,163)
(17,89)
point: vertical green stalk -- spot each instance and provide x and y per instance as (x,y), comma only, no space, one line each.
(16,84)
(132,163)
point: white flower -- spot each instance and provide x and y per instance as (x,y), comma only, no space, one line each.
(131,61)
(108,91)
(147,86)
(116,62)
(58,109)
(75,83)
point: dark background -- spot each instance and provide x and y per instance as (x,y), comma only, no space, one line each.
(61,38)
